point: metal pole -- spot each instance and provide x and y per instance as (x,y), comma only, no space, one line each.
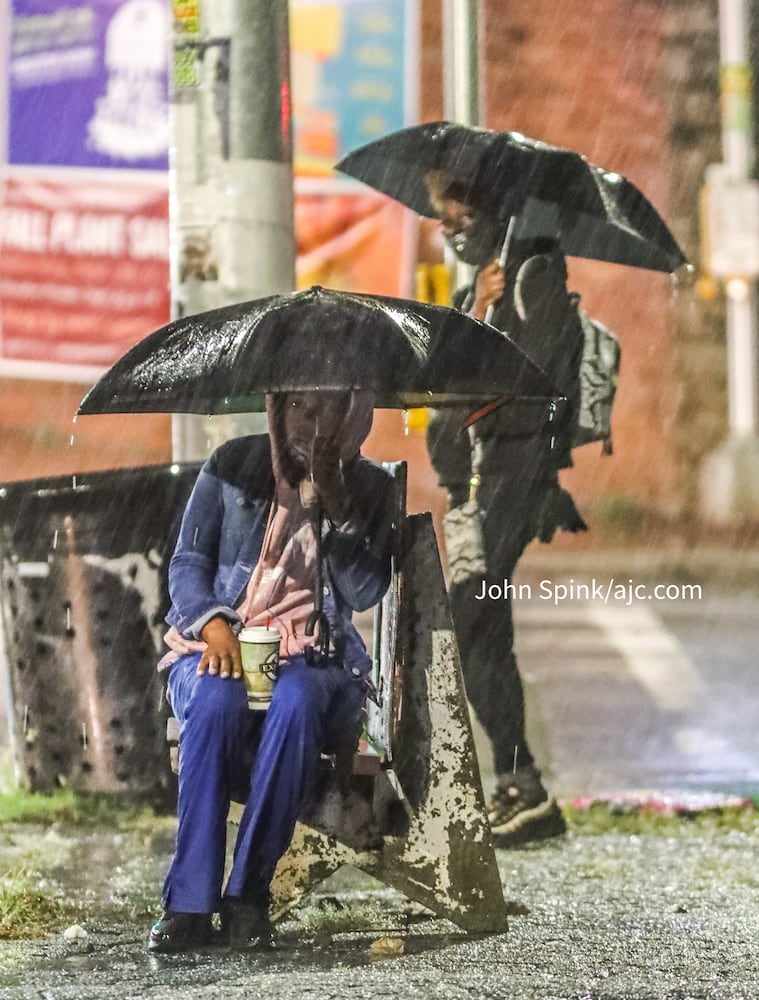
(461,83)
(730,474)
(232,220)
(738,154)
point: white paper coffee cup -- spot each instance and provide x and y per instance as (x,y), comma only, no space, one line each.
(259,647)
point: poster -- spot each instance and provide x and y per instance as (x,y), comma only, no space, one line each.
(351,76)
(354,79)
(84,271)
(353,242)
(84,235)
(87,83)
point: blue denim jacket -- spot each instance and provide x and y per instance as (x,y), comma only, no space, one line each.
(222,532)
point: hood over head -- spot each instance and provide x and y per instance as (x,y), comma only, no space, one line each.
(342,417)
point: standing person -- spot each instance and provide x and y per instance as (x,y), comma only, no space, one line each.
(263,513)
(519,493)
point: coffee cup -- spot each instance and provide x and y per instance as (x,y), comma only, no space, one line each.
(259,647)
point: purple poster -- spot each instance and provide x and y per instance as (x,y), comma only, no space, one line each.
(88,83)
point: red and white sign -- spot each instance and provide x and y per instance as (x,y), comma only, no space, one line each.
(84,268)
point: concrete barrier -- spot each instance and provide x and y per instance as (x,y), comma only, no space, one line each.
(83,594)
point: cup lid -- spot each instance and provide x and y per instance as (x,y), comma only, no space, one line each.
(259,633)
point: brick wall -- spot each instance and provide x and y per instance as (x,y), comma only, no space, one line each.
(37,429)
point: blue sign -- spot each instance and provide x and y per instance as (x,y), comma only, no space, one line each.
(351,75)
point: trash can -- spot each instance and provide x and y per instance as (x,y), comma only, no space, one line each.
(84,563)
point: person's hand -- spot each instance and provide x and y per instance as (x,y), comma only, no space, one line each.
(488,289)
(328,478)
(222,655)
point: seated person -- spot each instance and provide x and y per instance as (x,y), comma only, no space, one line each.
(265,511)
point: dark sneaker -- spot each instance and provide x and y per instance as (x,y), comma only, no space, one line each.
(176,932)
(521,810)
(244,925)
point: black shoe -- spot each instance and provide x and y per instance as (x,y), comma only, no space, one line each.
(521,810)
(246,924)
(176,932)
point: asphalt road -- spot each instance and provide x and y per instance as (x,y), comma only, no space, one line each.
(640,675)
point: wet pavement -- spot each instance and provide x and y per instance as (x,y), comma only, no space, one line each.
(669,913)
(648,692)
(649,700)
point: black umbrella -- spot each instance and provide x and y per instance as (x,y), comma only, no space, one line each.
(553,192)
(407,353)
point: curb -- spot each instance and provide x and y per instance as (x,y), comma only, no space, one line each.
(730,567)
(664,803)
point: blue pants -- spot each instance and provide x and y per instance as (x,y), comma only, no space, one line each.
(310,707)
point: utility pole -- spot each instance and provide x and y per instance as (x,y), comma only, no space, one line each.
(258,229)
(461,74)
(461,83)
(231,177)
(730,475)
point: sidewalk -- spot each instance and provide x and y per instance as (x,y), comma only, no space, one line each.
(620,909)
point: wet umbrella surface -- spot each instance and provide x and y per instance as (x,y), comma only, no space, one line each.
(406,353)
(554,192)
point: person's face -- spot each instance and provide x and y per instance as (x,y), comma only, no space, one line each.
(311,414)
(455,218)
(472,237)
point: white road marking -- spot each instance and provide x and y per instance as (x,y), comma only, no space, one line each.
(583,644)
(652,654)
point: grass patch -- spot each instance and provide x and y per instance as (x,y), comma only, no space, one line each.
(617,513)
(20,806)
(28,908)
(64,805)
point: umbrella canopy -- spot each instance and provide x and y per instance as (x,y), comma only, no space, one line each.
(554,192)
(407,353)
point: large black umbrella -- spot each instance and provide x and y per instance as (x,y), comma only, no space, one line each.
(407,353)
(551,191)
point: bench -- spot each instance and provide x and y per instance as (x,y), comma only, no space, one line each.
(412,811)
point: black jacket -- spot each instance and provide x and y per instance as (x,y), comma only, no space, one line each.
(540,315)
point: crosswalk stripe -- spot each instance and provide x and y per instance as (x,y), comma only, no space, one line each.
(652,654)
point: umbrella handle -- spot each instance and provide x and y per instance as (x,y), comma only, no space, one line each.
(502,256)
(310,651)
(313,620)
(317,616)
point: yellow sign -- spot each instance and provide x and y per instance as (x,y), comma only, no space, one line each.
(184,66)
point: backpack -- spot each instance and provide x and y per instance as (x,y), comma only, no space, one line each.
(599,374)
